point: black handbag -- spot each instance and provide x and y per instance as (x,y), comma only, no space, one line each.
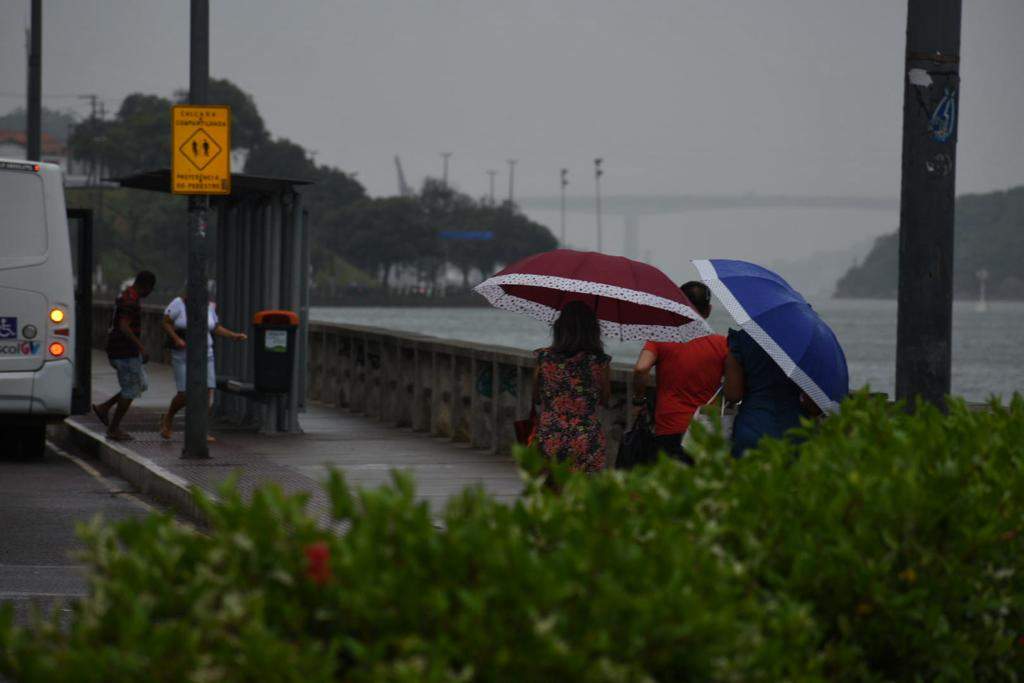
(637,446)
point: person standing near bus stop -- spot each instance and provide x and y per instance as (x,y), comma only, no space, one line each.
(175,325)
(126,354)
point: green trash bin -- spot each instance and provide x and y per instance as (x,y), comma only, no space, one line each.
(274,333)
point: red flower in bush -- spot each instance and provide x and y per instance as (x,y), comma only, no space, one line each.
(318,567)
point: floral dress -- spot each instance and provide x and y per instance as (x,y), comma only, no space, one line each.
(569,425)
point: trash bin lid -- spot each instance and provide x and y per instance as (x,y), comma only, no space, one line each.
(276,318)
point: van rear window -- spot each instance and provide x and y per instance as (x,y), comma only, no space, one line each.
(22,215)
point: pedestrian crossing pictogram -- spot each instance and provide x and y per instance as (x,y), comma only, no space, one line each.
(200,149)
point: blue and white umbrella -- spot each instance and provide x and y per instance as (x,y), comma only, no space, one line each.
(784,325)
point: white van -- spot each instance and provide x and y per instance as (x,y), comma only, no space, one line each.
(37,341)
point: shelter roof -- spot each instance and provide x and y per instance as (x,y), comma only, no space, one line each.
(159,180)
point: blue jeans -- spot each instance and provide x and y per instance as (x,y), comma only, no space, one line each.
(131,376)
(758,420)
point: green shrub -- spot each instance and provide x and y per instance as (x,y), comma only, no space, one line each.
(883,546)
(902,532)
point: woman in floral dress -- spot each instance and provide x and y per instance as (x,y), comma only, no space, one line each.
(570,383)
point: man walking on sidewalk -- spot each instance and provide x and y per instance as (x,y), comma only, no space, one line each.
(126,354)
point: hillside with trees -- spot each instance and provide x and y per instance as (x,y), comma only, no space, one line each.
(989,237)
(357,241)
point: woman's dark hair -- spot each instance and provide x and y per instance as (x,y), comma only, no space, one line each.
(577,330)
(699,295)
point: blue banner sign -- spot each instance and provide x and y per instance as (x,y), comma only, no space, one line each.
(479,235)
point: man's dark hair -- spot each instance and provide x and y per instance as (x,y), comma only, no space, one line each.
(145,279)
(577,330)
(699,295)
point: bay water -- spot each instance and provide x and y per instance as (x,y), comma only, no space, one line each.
(988,346)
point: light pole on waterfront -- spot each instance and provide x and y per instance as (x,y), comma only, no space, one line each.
(563,184)
(511,181)
(33,110)
(931,105)
(444,173)
(597,201)
(491,175)
(198,302)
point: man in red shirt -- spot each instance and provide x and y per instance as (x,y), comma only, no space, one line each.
(689,375)
(126,354)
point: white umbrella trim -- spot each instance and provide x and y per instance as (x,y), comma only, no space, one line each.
(710,277)
(491,289)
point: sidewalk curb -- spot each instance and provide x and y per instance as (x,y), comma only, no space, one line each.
(151,479)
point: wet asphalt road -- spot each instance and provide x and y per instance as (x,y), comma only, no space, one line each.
(40,503)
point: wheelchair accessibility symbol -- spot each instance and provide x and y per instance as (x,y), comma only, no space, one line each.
(8,328)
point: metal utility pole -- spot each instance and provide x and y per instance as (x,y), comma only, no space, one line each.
(94,100)
(446,155)
(196,401)
(492,174)
(597,199)
(34,109)
(564,182)
(931,94)
(511,181)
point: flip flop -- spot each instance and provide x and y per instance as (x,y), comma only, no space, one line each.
(165,428)
(102,417)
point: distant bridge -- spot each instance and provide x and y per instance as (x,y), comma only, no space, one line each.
(647,205)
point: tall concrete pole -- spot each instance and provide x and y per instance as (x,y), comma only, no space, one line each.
(444,176)
(564,182)
(931,99)
(34,110)
(491,175)
(511,181)
(597,203)
(196,401)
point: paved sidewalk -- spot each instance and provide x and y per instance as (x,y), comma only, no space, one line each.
(364,449)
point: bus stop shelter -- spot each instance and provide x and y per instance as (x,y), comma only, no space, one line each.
(261,263)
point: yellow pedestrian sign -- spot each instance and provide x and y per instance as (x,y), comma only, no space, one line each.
(201,149)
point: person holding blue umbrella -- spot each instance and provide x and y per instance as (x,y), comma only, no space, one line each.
(784,361)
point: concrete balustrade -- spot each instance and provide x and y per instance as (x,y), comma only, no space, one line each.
(469,393)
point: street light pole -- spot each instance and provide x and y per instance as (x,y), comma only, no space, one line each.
(33,112)
(491,179)
(931,92)
(564,183)
(511,181)
(196,401)
(446,155)
(597,198)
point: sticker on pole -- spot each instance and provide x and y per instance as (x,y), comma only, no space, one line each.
(942,122)
(200,149)
(276,341)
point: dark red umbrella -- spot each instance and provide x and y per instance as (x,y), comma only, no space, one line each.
(633,301)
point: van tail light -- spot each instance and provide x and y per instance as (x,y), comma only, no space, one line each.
(56,349)
(56,315)
(62,332)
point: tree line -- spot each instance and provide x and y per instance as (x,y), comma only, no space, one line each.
(355,238)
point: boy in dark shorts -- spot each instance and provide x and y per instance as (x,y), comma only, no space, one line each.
(126,354)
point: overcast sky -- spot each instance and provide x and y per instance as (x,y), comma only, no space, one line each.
(709,96)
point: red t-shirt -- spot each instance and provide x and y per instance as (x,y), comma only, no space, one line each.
(128,305)
(688,376)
